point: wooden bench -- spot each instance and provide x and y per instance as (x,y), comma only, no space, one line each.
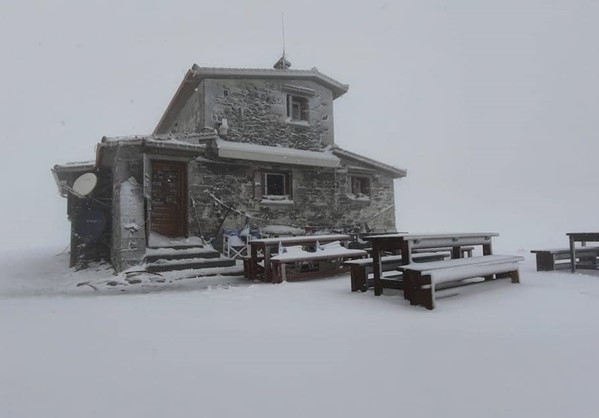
(559,258)
(421,279)
(328,253)
(361,269)
(465,251)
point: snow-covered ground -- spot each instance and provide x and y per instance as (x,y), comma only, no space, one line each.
(304,349)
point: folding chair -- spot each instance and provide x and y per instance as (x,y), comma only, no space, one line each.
(234,246)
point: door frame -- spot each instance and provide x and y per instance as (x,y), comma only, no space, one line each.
(149,160)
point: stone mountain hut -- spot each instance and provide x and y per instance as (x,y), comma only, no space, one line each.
(235,147)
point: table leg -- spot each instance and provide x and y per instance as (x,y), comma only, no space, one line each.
(573,254)
(487,249)
(405,249)
(377,268)
(267,266)
(253,264)
(456,252)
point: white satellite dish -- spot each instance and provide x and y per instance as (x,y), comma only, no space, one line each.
(85,183)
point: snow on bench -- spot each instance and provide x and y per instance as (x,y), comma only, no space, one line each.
(420,279)
(464,251)
(330,251)
(547,259)
(361,268)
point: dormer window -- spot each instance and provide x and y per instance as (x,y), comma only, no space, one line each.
(297,108)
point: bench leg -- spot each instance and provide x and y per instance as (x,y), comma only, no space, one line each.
(359,281)
(246,268)
(408,285)
(545,262)
(421,292)
(429,302)
(277,272)
(515,276)
(425,297)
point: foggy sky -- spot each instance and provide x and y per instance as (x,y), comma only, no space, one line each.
(489,105)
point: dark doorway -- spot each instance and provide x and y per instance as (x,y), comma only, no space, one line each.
(169,198)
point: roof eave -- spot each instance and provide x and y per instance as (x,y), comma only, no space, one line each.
(395,172)
(274,155)
(61,173)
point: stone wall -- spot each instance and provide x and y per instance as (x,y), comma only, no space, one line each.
(128,218)
(191,117)
(256,111)
(320,199)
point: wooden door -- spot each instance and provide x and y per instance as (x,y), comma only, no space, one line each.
(169,198)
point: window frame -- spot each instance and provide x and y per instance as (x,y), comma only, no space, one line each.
(365,186)
(287,194)
(304,108)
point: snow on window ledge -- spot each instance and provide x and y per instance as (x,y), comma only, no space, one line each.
(359,197)
(276,200)
(297,122)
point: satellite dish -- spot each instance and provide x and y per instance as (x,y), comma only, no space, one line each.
(85,183)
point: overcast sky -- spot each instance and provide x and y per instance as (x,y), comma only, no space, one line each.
(490,105)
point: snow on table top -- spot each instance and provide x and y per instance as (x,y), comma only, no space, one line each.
(407,236)
(282,230)
(305,238)
(560,250)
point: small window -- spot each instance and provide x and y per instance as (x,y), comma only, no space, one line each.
(297,107)
(360,186)
(275,186)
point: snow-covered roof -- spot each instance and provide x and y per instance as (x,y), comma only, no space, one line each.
(394,171)
(254,152)
(196,74)
(66,173)
(336,87)
(183,141)
(193,138)
(75,166)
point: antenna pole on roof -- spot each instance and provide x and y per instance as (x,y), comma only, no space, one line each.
(283,29)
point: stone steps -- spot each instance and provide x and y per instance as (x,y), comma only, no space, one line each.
(179,253)
(185,257)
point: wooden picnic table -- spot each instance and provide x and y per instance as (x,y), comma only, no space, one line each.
(405,243)
(268,246)
(582,237)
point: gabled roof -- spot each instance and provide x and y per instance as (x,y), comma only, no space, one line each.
(394,171)
(196,74)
